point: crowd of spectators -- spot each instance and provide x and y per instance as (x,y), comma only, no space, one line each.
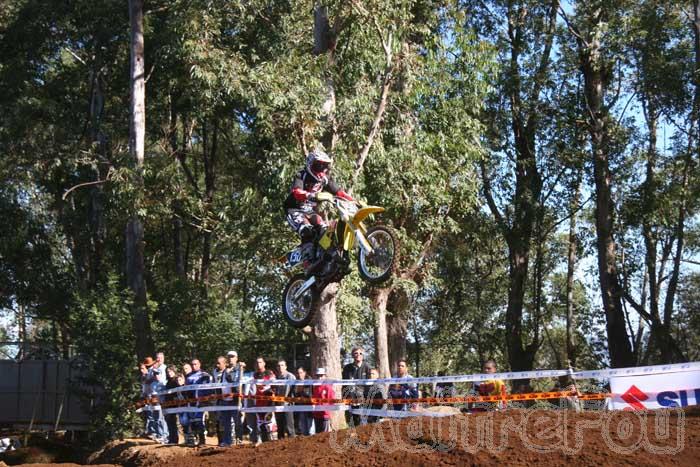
(231,425)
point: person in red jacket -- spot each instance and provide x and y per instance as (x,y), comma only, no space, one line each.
(322,419)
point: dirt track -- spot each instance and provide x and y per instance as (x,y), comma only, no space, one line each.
(514,437)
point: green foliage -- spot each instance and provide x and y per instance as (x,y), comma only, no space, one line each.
(234,89)
(104,339)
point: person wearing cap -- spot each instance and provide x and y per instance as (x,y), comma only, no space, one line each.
(155,380)
(357,369)
(322,419)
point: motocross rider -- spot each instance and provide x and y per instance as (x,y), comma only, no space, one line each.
(302,202)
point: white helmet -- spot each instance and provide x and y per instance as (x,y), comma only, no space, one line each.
(318,164)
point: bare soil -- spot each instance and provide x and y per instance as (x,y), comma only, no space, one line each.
(512,437)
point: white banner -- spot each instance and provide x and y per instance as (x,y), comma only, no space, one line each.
(655,391)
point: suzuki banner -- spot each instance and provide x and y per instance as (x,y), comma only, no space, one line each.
(655,391)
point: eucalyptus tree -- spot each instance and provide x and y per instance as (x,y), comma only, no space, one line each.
(512,177)
(598,33)
(661,58)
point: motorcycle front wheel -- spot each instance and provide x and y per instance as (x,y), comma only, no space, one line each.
(299,312)
(378,266)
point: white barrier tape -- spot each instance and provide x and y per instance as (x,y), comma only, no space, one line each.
(203,387)
(637,371)
(477,377)
(295,408)
(398,413)
(273,408)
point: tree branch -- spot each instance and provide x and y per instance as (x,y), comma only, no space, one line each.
(541,73)
(411,271)
(381,105)
(500,221)
(572,29)
(79,185)
(638,307)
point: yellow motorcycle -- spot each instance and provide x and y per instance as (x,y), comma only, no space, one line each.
(376,257)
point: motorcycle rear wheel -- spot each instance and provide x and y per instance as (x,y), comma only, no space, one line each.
(300,312)
(378,267)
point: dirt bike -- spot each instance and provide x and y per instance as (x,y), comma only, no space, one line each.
(376,257)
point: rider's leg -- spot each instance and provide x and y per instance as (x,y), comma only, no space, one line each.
(299,221)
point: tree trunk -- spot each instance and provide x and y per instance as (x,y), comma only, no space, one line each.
(209,157)
(176,206)
(134,231)
(96,219)
(397,330)
(596,79)
(397,326)
(571,324)
(178,250)
(325,344)
(324,43)
(379,299)
(696,101)
(22,332)
(524,123)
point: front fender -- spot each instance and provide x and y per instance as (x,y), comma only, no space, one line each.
(362,214)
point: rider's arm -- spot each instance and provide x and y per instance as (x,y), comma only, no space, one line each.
(337,191)
(298,191)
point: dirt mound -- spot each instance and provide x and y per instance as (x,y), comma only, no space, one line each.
(140,453)
(60,465)
(44,451)
(513,437)
(509,438)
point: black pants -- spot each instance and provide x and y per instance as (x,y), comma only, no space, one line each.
(353,419)
(173,436)
(285,424)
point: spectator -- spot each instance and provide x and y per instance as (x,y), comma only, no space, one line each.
(185,416)
(260,423)
(285,420)
(357,369)
(446,389)
(223,431)
(491,387)
(322,419)
(196,419)
(160,358)
(145,395)
(303,419)
(171,418)
(377,392)
(156,379)
(403,390)
(235,370)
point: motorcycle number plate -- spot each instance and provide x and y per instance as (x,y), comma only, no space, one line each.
(294,257)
